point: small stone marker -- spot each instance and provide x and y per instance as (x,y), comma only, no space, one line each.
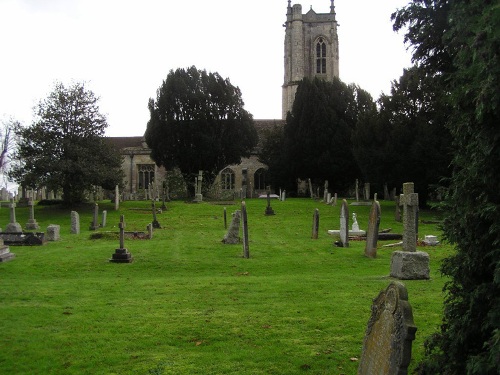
(75,222)
(155,222)
(13,226)
(233,234)
(149,228)
(121,255)
(372,234)
(32,224)
(409,264)
(315,225)
(5,254)
(246,249)
(344,224)
(53,232)
(269,209)
(389,335)
(117,198)
(104,218)
(95,221)
(198,184)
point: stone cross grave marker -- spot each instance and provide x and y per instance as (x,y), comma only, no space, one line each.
(75,223)
(409,201)
(198,184)
(315,225)
(233,233)
(13,226)
(121,255)
(389,335)
(344,224)
(269,209)
(32,223)
(246,249)
(410,264)
(372,233)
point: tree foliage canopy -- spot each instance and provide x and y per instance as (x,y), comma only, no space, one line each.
(64,148)
(198,122)
(318,131)
(406,140)
(459,41)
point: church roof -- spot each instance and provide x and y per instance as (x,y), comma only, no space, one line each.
(126,142)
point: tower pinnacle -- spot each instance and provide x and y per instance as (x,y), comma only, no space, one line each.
(332,7)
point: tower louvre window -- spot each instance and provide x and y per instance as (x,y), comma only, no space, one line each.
(321,57)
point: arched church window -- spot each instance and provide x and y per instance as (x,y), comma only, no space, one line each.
(227,179)
(260,178)
(146,175)
(321,56)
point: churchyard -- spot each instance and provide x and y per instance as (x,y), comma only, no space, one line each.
(189,304)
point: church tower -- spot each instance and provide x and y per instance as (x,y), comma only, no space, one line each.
(311,49)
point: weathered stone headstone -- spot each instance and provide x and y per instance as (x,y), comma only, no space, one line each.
(75,222)
(104,218)
(409,264)
(53,232)
(32,224)
(357,190)
(198,185)
(283,197)
(311,192)
(121,255)
(355,225)
(387,197)
(329,198)
(5,254)
(233,234)
(117,198)
(246,248)
(315,225)
(389,335)
(366,191)
(397,212)
(13,226)
(95,218)
(325,192)
(155,222)
(269,209)
(344,224)
(372,233)
(149,228)
(335,199)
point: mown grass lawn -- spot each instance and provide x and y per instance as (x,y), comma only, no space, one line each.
(189,304)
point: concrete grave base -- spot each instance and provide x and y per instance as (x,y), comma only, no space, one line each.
(121,256)
(5,254)
(13,228)
(409,265)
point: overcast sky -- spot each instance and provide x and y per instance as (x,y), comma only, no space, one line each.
(124,49)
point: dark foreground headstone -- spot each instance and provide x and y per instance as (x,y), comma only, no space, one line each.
(389,335)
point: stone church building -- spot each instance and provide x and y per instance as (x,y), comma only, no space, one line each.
(311,49)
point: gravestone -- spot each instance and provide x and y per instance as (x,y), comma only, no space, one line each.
(32,224)
(366,191)
(409,264)
(372,234)
(5,254)
(357,190)
(75,222)
(13,226)
(233,234)
(397,212)
(355,225)
(344,224)
(104,218)
(315,225)
(117,198)
(121,255)
(311,192)
(95,218)
(387,197)
(149,228)
(246,248)
(155,222)
(325,192)
(53,232)
(389,335)
(335,199)
(283,197)
(269,209)
(329,198)
(198,184)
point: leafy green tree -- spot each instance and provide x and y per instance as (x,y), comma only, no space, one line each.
(64,148)
(460,41)
(319,128)
(198,123)
(406,140)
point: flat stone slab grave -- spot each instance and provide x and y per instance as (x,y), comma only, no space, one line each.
(23,238)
